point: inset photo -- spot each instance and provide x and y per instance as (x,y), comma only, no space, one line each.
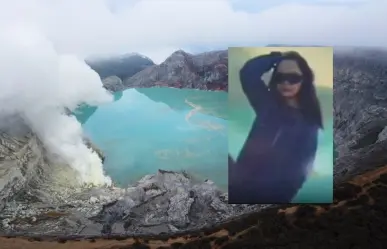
(280,131)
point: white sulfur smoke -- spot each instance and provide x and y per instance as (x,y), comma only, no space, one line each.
(37,83)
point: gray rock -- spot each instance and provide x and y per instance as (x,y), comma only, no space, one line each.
(34,201)
(174,199)
(382,135)
(359,110)
(178,209)
(93,200)
(113,83)
(206,71)
(23,168)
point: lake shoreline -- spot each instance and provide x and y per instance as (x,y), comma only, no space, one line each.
(177,87)
(174,129)
(165,202)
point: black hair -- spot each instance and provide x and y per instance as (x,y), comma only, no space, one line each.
(307,97)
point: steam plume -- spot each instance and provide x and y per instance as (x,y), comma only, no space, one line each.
(37,83)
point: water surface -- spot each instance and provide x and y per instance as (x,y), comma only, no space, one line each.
(161,128)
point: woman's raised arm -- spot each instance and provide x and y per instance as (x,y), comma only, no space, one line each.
(253,86)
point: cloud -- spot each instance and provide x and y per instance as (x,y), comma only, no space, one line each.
(37,83)
(156,28)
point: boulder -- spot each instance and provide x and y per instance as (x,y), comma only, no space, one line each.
(113,83)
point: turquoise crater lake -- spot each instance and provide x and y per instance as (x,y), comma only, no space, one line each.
(148,129)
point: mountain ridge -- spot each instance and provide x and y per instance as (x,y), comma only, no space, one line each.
(205,71)
(122,66)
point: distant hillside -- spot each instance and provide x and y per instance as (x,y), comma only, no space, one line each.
(288,45)
(206,71)
(123,66)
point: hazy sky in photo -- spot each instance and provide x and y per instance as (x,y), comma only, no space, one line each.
(158,27)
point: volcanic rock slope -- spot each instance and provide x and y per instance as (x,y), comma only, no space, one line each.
(206,71)
(25,171)
(360,109)
(38,197)
(358,215)
(356,219)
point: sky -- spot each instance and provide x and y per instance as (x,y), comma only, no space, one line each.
(156,28)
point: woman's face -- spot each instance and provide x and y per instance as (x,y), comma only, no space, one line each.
(288,78)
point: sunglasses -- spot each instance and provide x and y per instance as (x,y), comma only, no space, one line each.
(291,78)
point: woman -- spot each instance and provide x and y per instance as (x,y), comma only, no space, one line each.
(280,149)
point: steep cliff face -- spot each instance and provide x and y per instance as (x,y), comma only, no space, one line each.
(26,174)
(360,108)
(14,165)
(206,71)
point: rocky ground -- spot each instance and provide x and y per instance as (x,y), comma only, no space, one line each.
(38,197)
(360,109)
(356,219)
(162,203)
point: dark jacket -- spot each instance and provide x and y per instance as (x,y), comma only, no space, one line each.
(280,148)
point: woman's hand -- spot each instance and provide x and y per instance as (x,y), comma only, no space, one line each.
(277,55)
